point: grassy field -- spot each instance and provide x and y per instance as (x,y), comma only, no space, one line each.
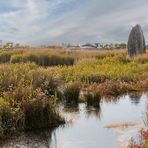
(33,80)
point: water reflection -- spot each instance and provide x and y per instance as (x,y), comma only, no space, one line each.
(85,131)
(30,140)
(135,98)
(71,108)
(93,111)
(112,99)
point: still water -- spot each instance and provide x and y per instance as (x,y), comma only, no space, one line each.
(85,126)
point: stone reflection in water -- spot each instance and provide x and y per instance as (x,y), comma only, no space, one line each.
(135,98)
(30,140)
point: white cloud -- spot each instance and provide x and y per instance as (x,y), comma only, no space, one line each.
(53,21)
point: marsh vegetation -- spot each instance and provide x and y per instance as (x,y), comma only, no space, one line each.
(89,126)
(32,82)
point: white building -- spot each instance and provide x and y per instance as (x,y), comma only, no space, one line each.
(1,44)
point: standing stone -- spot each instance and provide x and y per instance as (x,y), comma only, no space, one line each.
(136,42)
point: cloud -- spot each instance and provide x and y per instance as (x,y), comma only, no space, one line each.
(55,21)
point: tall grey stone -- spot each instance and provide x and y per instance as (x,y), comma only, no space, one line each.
(136,42)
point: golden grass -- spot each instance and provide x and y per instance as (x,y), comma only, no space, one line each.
(120,125)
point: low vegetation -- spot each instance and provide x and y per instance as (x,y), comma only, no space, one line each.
(27,100)
(71,93)
(121,125)
(42,59)
(32,81)
(142,140)
(51,56)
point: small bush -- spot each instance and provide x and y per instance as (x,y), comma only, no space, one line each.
(93,97)
(5,57)
(6,120)
(40,114)
(29,100)
(71,93)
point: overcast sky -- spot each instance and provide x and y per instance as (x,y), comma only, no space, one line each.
(39,22)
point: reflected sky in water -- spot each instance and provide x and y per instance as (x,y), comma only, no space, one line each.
(85,125)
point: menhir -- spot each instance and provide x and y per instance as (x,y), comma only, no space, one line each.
(136,42)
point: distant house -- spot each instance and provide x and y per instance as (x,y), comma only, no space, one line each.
(8,45)
(95,46)
(17,45)
(120,46)
(1,44)
(114,46)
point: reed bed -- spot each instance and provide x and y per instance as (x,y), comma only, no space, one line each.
(52,57)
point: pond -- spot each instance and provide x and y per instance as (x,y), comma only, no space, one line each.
(86,126)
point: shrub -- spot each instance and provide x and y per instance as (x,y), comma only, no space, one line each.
(6,120)
(30,96)
(5,57)
(72,92)
(44,80)
(92,97)
(39,113)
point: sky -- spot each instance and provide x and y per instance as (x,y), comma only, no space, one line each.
(43,22)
